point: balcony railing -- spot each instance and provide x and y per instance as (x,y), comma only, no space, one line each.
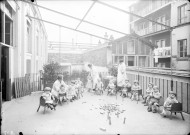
(150,8)
(162,52)
(152,29)
(182,20)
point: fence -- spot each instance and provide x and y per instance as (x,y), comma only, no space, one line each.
(25,85)
(181,85)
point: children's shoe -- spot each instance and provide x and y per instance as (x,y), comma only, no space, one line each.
(145,104)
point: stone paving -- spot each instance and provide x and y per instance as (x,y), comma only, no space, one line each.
(85,116)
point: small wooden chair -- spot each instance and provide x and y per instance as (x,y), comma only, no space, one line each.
(176,108)
(42,103)
(140,94)
(129,91)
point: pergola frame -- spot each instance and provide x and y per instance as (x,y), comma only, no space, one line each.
(82,20)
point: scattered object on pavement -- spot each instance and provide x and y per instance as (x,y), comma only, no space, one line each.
(109,120)
(124,120)
(103,129)
(83,102)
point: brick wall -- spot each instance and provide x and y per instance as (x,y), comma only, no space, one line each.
(65,58)
(98,57)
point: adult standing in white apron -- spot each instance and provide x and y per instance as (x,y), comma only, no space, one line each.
(94,75)
(121,75)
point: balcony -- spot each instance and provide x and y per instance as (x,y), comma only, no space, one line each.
(162,52)
(150,8)
(153,28)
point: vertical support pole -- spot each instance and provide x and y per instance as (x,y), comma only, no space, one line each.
(59,44)
(171,65)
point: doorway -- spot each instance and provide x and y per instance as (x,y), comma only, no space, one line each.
(4,72)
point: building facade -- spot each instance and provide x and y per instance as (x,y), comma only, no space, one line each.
(170,13)
(133,51)
(23,43)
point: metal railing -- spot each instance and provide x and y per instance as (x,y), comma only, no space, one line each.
(181,84)
(153,28)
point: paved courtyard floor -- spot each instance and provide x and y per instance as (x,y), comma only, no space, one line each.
(83,116)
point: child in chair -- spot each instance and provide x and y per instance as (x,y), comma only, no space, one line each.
(147,96)
(135,89)
(111,87)
(49,99)
(154,100)
(99,87)
(126,86)
(168,102)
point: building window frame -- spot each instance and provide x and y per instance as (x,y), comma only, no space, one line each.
(182,19)
(182,53)
(128,47)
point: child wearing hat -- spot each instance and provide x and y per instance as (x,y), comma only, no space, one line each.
(49,99)
(154,100)
(135,89)
(148,93)
(168,102)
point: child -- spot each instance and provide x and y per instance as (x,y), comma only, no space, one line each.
(79,86)
(148,94)
(111,87)
(154,100)
(89,83)
(48,98)
(99,87)
(63,93)
(126,86)
(168,102)
(135,89)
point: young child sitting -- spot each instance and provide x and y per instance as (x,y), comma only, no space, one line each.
(49,99)
(154,100)
(126,86)
(168,102)
(111,87)
(99,87)
(63,93)
(147,96)
(135,89)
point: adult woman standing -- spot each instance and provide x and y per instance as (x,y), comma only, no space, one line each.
(94,75)
(121,75)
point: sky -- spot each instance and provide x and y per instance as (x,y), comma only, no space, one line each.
(99,14)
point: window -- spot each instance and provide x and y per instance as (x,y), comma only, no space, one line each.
(162,43)
(29,48)
(124,47)
(1,27)
(37,43)
(158,43)
(8,31)
(182,14)
(131,60)
(182,48)
(131,47)
(114,48)
(119,48)
(28,66)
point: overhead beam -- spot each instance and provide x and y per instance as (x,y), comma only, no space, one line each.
(67,27)
(128,35)
(85,15)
